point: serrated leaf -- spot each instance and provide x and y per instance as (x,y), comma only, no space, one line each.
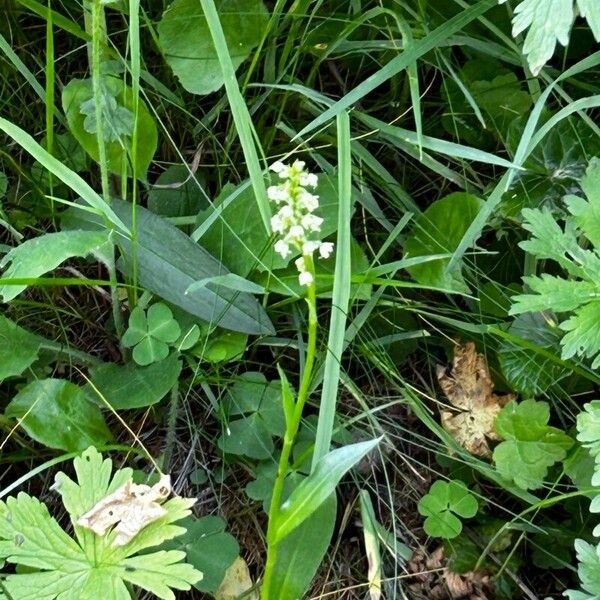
(187,45)
(89,568)
(548,22)
(531,446)
(583,337)
(18,348)
(588,570)
(590,10)
(117,121)
(44,253)
(588,433)
(80,92)
(58,414)
(587,212)
(443,504)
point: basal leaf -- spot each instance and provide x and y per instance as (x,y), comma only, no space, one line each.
(439,230)
(319,485)
(531,446)
(300,554)
(187,44)
(18,348)
(169,262)
(44,253)
(58,414)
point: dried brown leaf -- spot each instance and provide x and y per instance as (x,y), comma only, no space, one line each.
(130,508)
(469,389)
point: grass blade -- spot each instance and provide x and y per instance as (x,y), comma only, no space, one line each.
(418,49)
(241,116)
(340,297)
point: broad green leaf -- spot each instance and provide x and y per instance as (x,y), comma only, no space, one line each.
(18,348)
(208,548)
(319,485)
(78,93)
(441,505)
(187,45)
(130,386)
(300,554)
(548,21)
(58,568)
(439,230)
(236,235)
(526,371)
(44,253)
(177,193)
(58,414)
(531,446)
(169,262)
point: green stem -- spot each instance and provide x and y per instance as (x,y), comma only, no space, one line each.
(99,39)
(77,355)
(290,436)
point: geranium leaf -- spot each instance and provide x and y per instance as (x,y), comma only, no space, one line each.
(531,446)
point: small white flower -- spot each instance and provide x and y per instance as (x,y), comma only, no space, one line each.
(296,232)
(278,167)
(286,212)
(282,248)
(325,249)
(309,180)
(305,278)
(298,166)
(312,222)
(300,264)
(310,246)
(277,193)
(308,201)
(277,224)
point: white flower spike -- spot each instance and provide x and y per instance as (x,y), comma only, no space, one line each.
(295,221)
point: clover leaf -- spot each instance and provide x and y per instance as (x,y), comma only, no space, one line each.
(531,446)
(151,333)
(441,505)
(54,566)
